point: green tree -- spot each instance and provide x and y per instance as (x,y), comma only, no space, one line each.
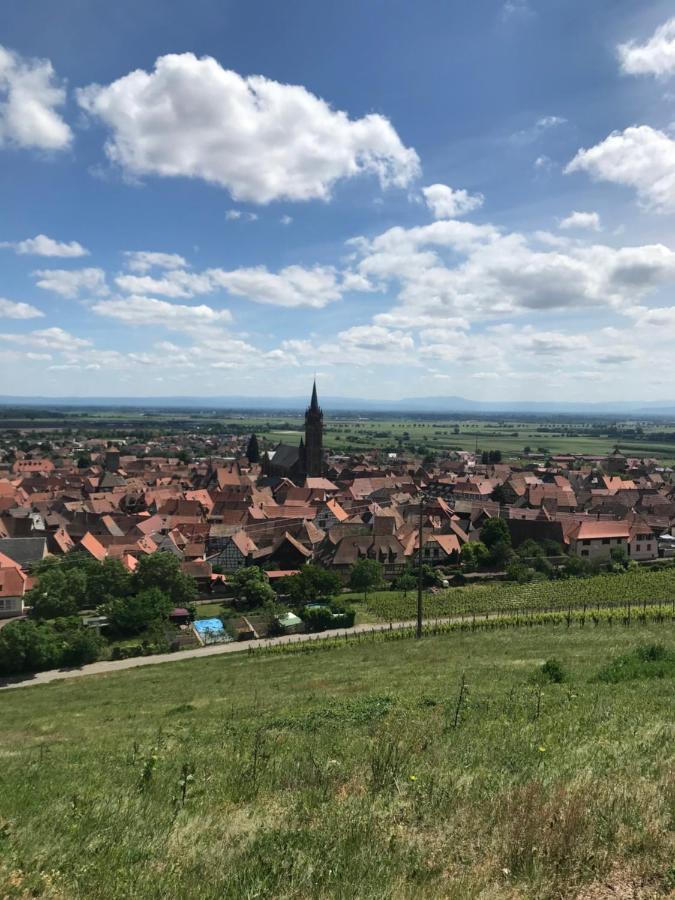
(27,646)
(312,584)
(495,531)
(473,555)
(59,592)
(405,582)
(367,575)
(162,571)
(252,587)
(138,612)
(253,450)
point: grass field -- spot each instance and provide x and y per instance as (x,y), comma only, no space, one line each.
(354,772)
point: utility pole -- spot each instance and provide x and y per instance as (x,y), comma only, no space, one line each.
(420,580)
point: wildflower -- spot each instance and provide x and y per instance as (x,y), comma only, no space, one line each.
(542,749)
(506,871)
(413,777)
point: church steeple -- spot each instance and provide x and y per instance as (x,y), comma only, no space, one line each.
(314,437)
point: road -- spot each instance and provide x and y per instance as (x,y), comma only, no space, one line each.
(103,668)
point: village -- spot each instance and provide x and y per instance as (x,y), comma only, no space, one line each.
(288,528)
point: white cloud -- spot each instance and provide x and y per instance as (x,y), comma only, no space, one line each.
(639,157)
(55,339)
(234,215)
(286,220)
(173,283)
(291,286)
(29,97)
(11,310)
(138,310)
(376,339)
(143,260)
(72,283)
(260,139)
(655,57)
(456,270)
(589,220)
(446,203)
(535,131)
(41,245)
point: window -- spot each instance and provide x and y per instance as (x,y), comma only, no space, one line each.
(649,546)
(586,542)
(639,547)
(605,541)
(584,552)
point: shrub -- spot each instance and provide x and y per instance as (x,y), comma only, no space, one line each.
(646,661)
(553,671)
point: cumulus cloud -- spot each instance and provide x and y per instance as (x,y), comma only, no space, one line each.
(639,157)
(72,283)
(589,220)
(260,139)
(50,338)
(291,286)
(655,57)
(446,203)
(173,283)
(451,269)
(41,245)
(30,94)
(144,260)
(11,310)
(137,310)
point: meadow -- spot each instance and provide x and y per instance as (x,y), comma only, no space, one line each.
(447,767)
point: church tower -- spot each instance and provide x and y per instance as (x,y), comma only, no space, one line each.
(314,437)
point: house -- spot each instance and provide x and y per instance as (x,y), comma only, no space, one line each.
(13,586)
(231,551)
(595,540)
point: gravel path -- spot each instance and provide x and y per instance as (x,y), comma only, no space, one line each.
(102,668)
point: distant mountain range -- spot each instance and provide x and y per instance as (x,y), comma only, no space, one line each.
(441,405)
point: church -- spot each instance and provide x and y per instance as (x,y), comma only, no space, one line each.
(305,460)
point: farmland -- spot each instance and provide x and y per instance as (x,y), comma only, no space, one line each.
(359,771)
(635,587)
(354,432)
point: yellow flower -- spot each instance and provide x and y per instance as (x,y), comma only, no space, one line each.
(413,777)
(542,749)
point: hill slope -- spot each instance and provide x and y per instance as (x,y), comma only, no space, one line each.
(349,772)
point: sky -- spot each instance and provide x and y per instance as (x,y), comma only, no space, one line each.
(440,198)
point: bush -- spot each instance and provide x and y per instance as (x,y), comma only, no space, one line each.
(553,671)
(646,661)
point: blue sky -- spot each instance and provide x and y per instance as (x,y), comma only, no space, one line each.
(219,198)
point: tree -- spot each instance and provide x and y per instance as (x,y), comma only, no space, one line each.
(59,592)
(138,612)
(405,582)
(473,555)
(495,531)
(312,584)
(252,587)
(27,646)
(366,575)
(162,571)
(253,450)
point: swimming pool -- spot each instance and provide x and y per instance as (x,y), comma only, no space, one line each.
(212,631)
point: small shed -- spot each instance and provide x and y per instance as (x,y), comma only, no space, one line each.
(289,623)
(180,616)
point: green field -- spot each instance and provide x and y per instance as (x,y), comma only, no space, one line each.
(352,432)
(354,773)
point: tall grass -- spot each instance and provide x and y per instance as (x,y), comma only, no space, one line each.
(438,768)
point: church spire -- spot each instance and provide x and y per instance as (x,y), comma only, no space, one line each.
(314,404)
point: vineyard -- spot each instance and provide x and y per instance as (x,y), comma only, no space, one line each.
(637,587)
